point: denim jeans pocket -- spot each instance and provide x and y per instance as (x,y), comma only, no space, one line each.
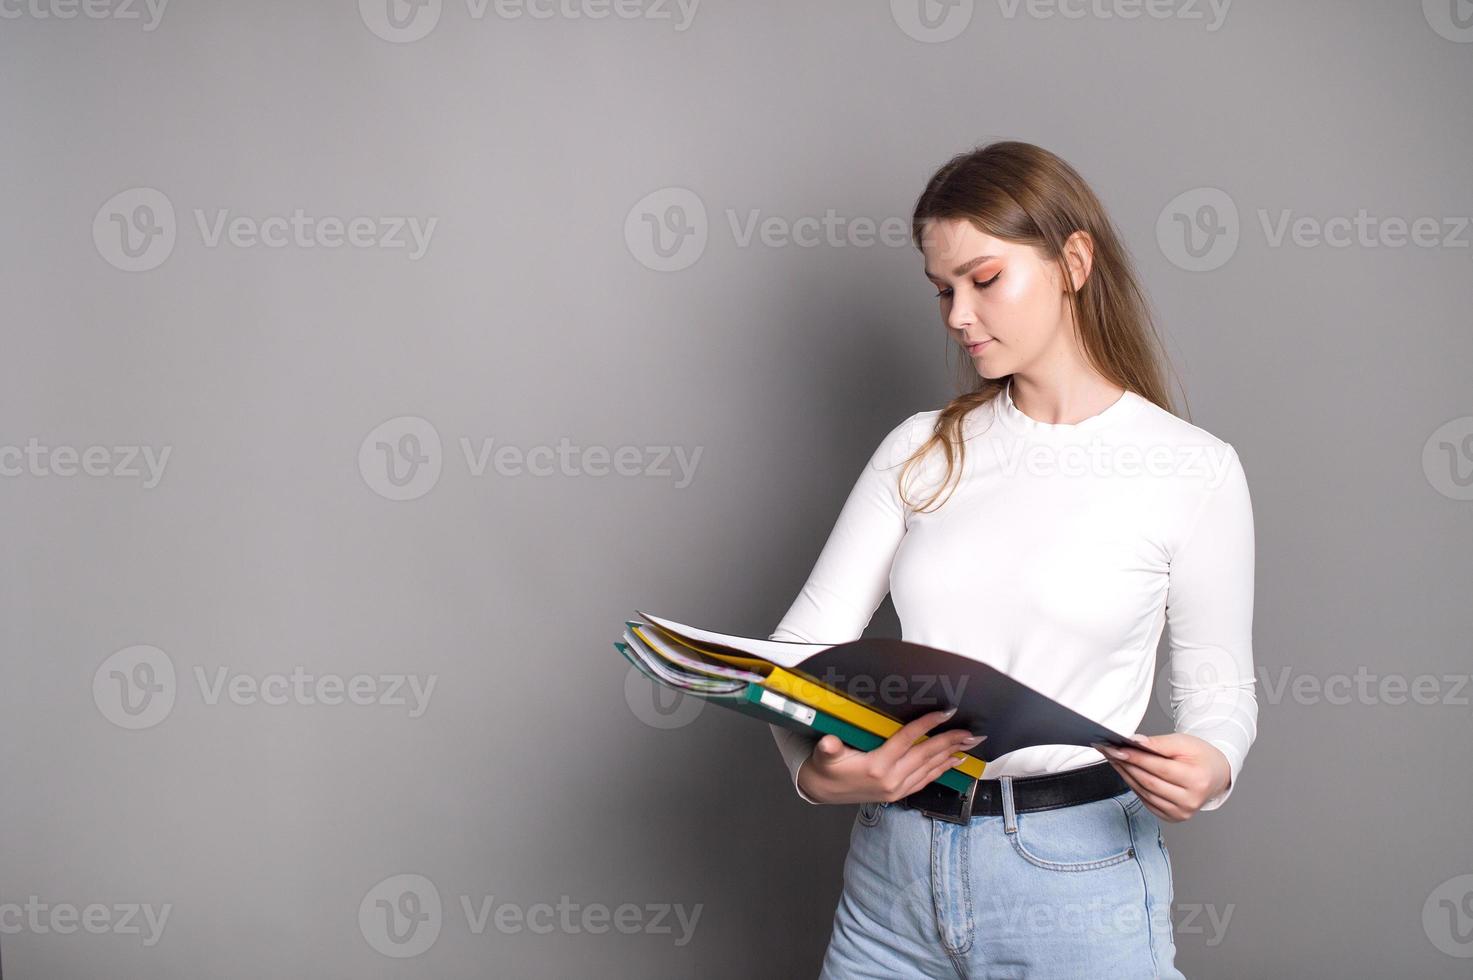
(869,813)
(1166,855)
(1082,837)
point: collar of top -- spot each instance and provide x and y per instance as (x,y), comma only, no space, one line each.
(1013,419)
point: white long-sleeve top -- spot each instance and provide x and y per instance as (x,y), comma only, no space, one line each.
(1059,558)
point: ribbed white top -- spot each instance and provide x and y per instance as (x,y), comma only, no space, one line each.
(1059,558)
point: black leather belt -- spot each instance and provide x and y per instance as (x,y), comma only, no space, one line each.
(1046,792)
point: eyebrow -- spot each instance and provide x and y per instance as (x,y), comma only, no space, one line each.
(965,267)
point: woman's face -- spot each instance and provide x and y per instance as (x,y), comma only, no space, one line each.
(1000,301)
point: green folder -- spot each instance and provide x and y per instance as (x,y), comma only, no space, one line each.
(770,706)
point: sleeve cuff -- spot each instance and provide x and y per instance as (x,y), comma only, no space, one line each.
(795,749)
(801,795)
(1235,765)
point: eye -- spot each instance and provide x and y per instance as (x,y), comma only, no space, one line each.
(943,293)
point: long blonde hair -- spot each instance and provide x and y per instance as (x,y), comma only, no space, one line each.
(1024,194)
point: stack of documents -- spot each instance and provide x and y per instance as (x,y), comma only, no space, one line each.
(741,679)
(861,691)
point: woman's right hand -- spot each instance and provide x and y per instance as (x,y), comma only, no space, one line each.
(837,773)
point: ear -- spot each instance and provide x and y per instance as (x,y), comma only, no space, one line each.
(1079,250)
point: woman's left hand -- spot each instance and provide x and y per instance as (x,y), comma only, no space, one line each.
(1173,785)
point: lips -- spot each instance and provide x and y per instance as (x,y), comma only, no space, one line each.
(979,346)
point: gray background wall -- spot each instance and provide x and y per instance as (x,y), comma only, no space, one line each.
(539,310)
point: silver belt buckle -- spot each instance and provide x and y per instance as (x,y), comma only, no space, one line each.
(964,817)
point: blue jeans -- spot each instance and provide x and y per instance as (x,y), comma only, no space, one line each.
(1077,891)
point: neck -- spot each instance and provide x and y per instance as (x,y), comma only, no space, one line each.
(1063,396)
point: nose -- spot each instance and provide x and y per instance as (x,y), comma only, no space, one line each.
(961,315)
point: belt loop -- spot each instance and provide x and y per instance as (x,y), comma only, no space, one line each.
(1009,813)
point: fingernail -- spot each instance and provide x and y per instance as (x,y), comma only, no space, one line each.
(967,743)
(950,712)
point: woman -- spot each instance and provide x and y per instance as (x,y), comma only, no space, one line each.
(1070,518)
